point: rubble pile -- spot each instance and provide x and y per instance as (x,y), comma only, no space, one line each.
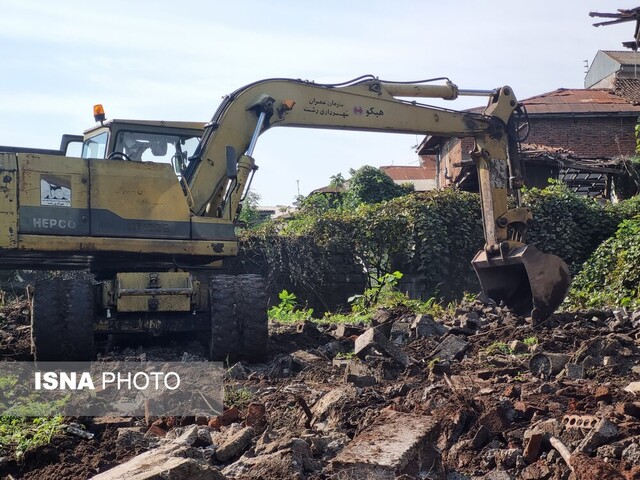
(481,394)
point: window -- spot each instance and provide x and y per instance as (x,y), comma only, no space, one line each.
(95,146)
(157,147)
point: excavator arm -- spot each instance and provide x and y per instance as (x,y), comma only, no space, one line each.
(220,170)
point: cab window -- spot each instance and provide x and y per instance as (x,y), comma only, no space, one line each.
(156,147)
(95,146)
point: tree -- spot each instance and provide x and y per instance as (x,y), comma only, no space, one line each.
(371,185)
(250,214)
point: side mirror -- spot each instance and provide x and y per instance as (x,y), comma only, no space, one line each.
(232,163)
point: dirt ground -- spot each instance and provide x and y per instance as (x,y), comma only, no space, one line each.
(499,393)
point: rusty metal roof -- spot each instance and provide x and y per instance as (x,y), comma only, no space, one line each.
(408,173)
(579,101)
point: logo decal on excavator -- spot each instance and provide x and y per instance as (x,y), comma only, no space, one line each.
(55,191)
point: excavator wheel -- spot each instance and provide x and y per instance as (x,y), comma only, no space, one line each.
(239,326)
(62,320)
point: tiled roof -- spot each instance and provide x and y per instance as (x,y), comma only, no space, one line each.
(408,173)
(624,57)
(566,100)
(628,88)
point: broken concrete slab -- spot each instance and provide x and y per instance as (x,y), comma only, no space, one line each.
(395,444)
(157,466)
(426,326)
(324,408)
(235,445)
(604,432)
(374,339)
(451,348)
(344,330)
(172,461)
(290,462)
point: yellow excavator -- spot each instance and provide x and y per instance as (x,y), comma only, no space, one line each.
(148,212)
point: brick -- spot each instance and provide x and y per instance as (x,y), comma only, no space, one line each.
(532,447)
(256,416)
(227,418)
(603,394)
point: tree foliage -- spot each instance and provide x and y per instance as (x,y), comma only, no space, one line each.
(371,185)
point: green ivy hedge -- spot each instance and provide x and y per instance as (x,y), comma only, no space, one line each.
(611,276)
(431,237)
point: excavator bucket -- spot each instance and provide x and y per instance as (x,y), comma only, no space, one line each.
(527,280)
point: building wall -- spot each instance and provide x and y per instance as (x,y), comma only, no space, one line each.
(454,151)
(587,137)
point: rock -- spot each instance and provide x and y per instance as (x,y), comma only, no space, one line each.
(628,408)
(498,475)
(574,371)
(154,465)
(517,346)
(451,348)
(498,419)
(481,438)
(532,447)
(172,461)
(324,409)
(256,416)
(235,445)
(360,381)
(537,471)
(155,431)
(426,326)
(304,359)
(633,387)
(509,458)
(131,437)
(400,331)
(395,444)
(602,433)
(373,339)
(291,462)
(344,330)
(631,454)
(603,394)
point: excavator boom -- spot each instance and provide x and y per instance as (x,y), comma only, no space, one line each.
(509,270)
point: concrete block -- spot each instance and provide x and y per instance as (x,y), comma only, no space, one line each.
(451,348)
(235,445)
(604,432)
(426,326)
(396,444)
(372,338)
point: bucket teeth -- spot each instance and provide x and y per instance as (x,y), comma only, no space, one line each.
(527,281)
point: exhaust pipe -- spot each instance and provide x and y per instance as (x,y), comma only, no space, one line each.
(526,280)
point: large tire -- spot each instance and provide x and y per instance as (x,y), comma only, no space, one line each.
(62,325)
(239,326)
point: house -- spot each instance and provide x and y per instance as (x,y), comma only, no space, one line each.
(573,128)
(422,177)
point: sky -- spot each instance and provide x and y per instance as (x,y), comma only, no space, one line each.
(169,60)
